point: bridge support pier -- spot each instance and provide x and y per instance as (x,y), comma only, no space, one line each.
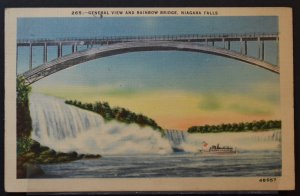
(17,52)
(263,50)
(241,46)
(30,56)
(228,46)
(259,49)
(45,53)
(246,47)
(74,48)
(59,50)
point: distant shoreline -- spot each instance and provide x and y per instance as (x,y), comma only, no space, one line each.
(246,131)
(254,126)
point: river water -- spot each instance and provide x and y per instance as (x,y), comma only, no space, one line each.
(130,151)
(262,163)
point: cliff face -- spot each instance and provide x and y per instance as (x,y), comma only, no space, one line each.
(24,126)
(23,114)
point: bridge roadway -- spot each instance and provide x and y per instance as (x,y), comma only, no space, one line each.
(184,38)
(78,57)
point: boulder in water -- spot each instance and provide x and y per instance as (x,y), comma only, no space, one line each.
(33,170)
(91,156)
(48,153)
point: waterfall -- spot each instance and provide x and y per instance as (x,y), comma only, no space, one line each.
(260,140)
(68,128)
(274,136)
(176,138)
(52,119)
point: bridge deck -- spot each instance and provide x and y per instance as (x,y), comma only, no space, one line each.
(117,39)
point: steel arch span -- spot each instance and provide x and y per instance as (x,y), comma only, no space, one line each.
(64,62)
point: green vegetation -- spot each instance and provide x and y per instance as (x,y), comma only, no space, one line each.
(30,152)
(117,113)
(237,127)
(24,144)
(23,91)
(23,114)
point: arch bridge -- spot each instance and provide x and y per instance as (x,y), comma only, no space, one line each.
(219,45)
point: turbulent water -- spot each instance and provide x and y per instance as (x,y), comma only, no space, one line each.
(254,141)
(262,163)
(176,138)
(67,128)
(132,151)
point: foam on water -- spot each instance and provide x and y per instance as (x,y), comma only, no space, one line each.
(68,128)
(262,140)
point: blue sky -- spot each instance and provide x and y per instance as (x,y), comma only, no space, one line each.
(157,70)
(89,27)
(141,66)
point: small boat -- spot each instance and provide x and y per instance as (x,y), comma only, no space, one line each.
(219,150)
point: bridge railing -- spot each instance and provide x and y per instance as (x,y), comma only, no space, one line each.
(152,37)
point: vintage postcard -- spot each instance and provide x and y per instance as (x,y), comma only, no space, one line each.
(148,99)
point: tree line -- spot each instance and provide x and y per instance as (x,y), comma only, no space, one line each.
(116,113)
(237,127)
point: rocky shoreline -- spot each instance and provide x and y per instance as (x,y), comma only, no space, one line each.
(28,161)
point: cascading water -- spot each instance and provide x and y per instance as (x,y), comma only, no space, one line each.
(68,128)
(52,119)
(261,140)
(176,138)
